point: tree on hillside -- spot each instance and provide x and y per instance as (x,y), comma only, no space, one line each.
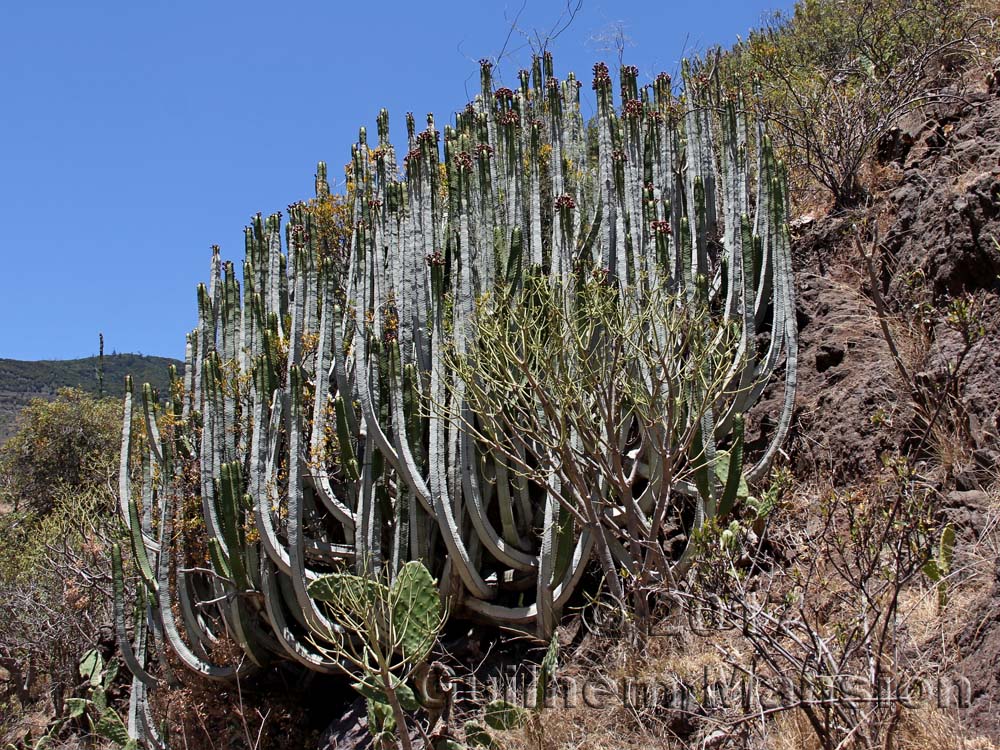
(71,442)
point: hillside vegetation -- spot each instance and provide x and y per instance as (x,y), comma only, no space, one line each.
(21,380)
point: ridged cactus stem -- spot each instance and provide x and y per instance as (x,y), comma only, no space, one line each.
(335,414)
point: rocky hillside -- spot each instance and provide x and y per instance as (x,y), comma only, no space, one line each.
(21,381)
(930,238)
(933,231)
(861,573)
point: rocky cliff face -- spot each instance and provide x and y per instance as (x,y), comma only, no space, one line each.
(934,226)
(933,229)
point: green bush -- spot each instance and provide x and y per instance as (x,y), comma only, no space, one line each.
(836,75)
(55,582)
(56,480)
(71,442)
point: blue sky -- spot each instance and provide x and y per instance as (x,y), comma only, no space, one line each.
(136,135)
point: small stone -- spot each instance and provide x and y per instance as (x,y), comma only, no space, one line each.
(975,499)
(802,318)
(715,739)
(829,355)
(966,481)
(986,458)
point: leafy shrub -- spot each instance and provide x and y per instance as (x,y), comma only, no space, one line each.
(55,573)
(55,582)
(835,76)
(830,635)
(71,442)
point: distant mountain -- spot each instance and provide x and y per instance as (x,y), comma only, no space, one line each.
(21,381)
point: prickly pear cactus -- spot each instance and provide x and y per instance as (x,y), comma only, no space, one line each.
(416,610)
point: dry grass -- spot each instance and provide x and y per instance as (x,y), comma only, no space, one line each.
(928,632)
(922,728)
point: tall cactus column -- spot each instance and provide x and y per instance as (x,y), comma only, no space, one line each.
(527,349)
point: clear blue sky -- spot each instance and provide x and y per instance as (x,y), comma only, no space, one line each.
(137,134)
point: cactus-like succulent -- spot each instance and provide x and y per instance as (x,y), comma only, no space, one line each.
(938,567)
(385,632)
(108,725)
(333,424)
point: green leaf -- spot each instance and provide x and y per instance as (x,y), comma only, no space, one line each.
(946,548)
(416,611)
(407,699)
(91,666)
(380,719)
(478,736)
(76,707)
(372,689)
(548,671)
(111,727)
(356,594)
(932,571)
(110,673)
(502,716)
